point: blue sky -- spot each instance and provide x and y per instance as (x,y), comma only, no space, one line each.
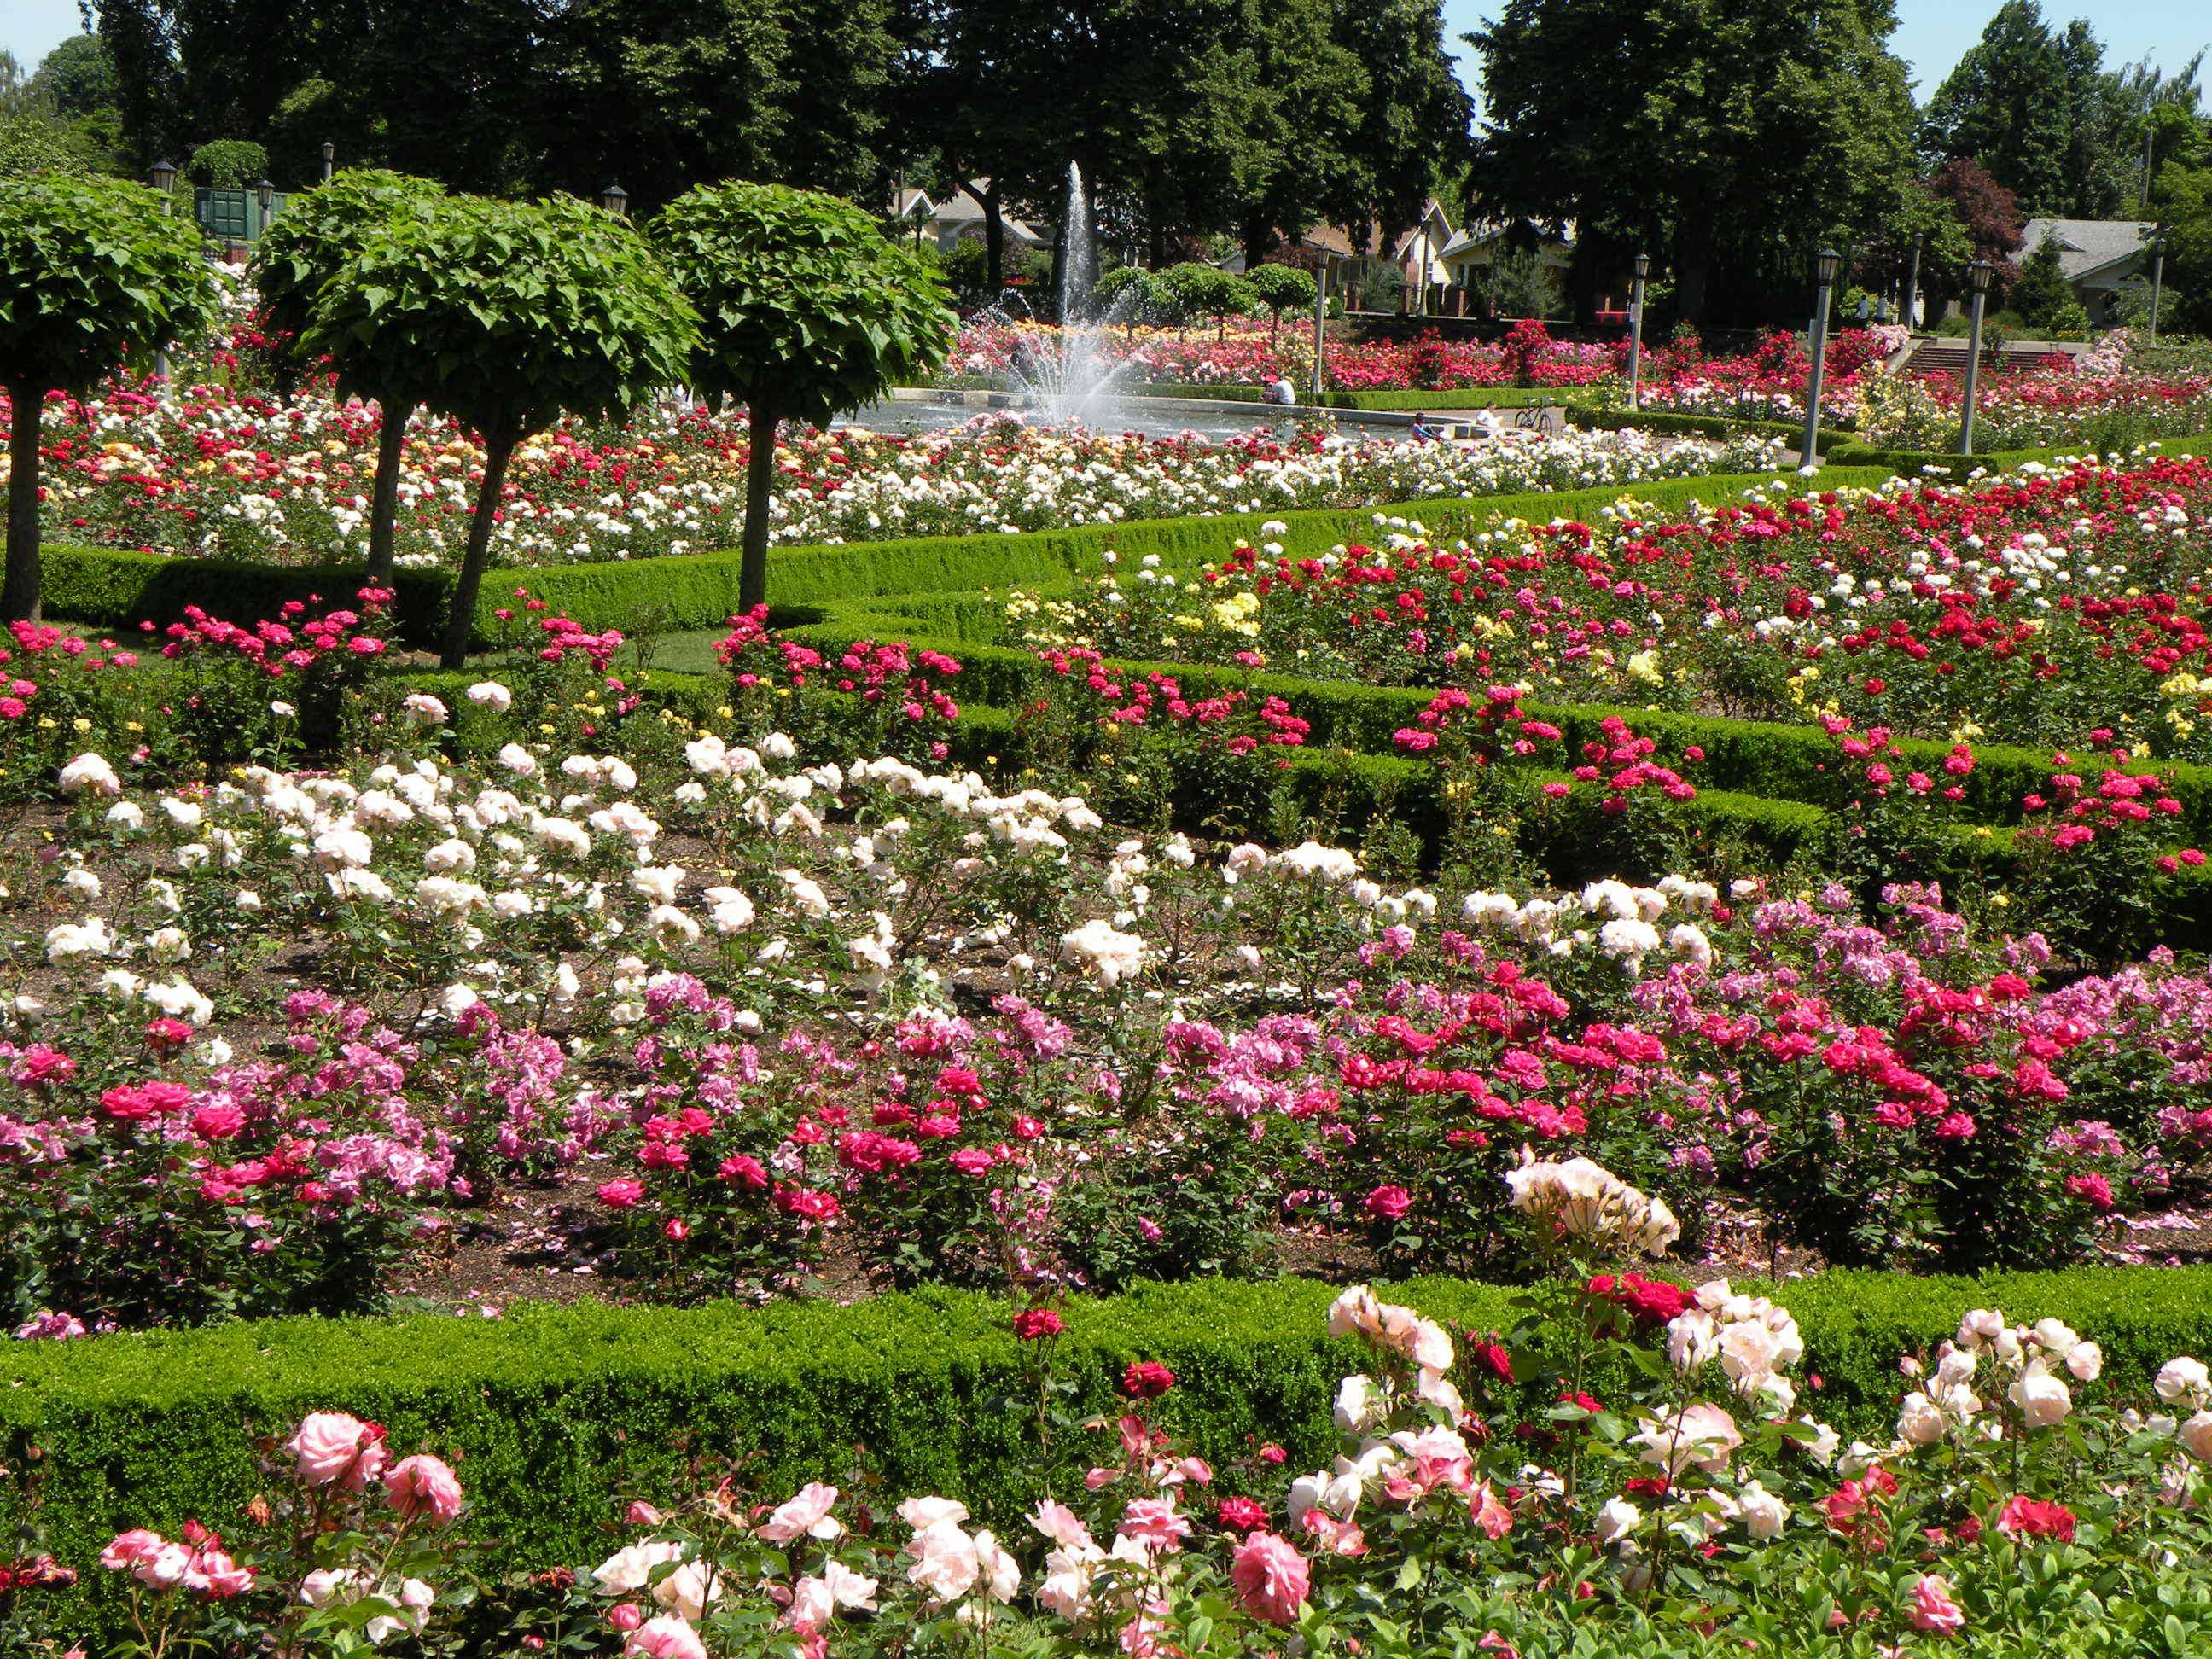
(1932,34)
(1930,37)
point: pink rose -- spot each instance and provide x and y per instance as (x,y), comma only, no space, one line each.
(132,1547)
(334,1446)
(625,1616)
(620,1194)
(1271,1578)
(801,1517)
(1388,1203)
(666,1637)
(1933,1609)
(423,1486)
(1153,1523)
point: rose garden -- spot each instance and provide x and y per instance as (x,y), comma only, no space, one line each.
(644,1024)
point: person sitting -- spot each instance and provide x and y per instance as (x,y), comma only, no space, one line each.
(1280,391)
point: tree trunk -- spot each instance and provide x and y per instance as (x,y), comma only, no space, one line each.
(759,475)
(995,242)
(1259,239)
(461,619)
(1693,263)
(18,599)
(384,494)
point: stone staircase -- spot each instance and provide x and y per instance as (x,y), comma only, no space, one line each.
(1934,355)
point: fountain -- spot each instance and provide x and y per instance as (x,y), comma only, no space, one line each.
(1068,377)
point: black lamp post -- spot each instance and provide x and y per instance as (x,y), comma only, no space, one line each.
(1827,263)
(1979,275)
(162,175)
(330,159)
(2157,275)
(265,193)
(616,200)
(1641,266)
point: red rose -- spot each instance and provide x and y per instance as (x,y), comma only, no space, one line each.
(1035,1324)
(1146,1379)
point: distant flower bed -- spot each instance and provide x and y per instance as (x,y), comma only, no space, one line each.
(204,469)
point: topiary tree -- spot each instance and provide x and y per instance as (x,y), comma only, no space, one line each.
(91,269)
(1282,289)
(319,231)
(1198,290)
(228,164)
(806,312)
(1130,292)
(514,314)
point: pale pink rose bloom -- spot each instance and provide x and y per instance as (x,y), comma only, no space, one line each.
(165,1568)
(131,1547)
(422,1486)
(848,1589)
(643,1514)
(1355,1313)
(807,1515)
(812,1604)
(1933,1609)
(1271,1578)
(334,1446)
(1062,1525)
(923,1513)
(1094,1479)
(1196,1470)
(945,1563)
(665,1637)
(225,1577)
(1001,1575)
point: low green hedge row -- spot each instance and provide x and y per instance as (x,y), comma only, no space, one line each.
(558,1412)
(1913,463)
(1473,397)
(1593,418)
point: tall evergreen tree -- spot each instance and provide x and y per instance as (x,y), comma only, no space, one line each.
(1735,137)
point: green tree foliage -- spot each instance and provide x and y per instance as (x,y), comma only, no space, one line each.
(91,271)
(2184,200)
(2034,104)
(78,77)
(319,233)
(2041,293)
(806,310)
(1733,138)
(1196,290)
(512,315)
(1281,288)
(228,164)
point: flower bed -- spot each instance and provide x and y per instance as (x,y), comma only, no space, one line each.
(2059,606)
(207,471)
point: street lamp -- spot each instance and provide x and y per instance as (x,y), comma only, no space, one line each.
(1825,266)
(265,193)
(616,200)
(162,175)
(1977,276)
(330,158)
(1320,321)
(2157,273)
(1641,266)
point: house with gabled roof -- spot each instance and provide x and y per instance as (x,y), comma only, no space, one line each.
(2097,256)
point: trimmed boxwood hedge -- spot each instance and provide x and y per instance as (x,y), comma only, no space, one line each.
(1593,418)
(556,1411)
